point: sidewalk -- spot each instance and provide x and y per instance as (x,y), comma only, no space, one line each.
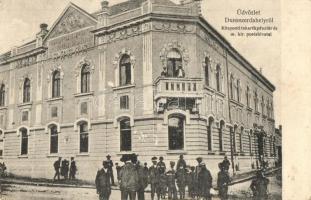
(239,178)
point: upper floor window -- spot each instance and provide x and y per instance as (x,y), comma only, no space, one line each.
(53,139)
(124,102)
(2,95)
(176,132)
(267,108)
(85,79)
(26,91)
(125,70)
(262,105)
(24,141)
(241,139)
(238,90)
(56,84)
(218,78)
(174,64)
(125,135)
(84,138)
(231,86)
(248,96)
(207,71)
(256,101)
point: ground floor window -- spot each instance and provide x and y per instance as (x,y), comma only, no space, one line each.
(24,141)
(125,135)
(209,134)
(84,138)
(54,139)
(221,136)
(176,132)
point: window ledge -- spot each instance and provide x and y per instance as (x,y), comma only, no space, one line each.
(24,104)
(84,94)
(222,153)
(22,156)
(220,93)
(3,107)
(249,108)
(55,99)
(123,87)
(124,152)
(236,102)
(83,154)
(176,152)
(53,155)
(211,153)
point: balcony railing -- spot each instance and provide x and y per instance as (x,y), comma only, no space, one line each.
(178,87)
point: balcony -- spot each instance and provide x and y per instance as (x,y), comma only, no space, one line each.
(178,87)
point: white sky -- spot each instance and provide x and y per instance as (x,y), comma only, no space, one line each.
(20,19)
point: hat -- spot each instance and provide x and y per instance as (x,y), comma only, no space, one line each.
(199,158)
(125,157)
(172,163)
(145,163)
(154,158)
(161,158)
(192,167)
(108,156)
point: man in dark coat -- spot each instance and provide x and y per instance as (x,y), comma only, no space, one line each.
(161,163)
(259,186)
(102,182)
(181,181)
(110,170)
(222,182)
(197,171)
(73,169)
(56,168)
(180,162)
(171,182)
(142,179)
(226,163)
(129,182)
(153,177)
(205,182)
(65,167)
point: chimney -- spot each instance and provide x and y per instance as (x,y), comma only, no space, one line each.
(105,5)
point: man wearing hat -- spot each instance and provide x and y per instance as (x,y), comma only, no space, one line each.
(153,176)
(226,163)
(196,175)
(180,162)
(171,183)
(222,182)
(259,186)
(129,182)
(110,170)
(142,178)
(102,182)
(205,182)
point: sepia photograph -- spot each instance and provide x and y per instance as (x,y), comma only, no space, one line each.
(140,99)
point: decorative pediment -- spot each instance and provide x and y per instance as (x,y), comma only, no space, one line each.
(72,19)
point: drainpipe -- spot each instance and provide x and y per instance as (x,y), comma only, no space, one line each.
(229,111)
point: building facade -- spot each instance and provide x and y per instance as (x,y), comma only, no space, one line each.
(144,76)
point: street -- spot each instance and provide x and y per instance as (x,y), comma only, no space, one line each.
(26,192)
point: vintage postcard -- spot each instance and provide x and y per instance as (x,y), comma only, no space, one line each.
(141,99)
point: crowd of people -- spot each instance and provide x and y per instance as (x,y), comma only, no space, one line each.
(64,169)
(134,177)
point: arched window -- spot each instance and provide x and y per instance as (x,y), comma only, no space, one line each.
(247,96)
(2,95)
(238,90)
(26,91)
(85,79)
(24,141)
(84,137)
(231,86)
(221,127)
(174,64)
(176,132)
(56,84)
(209,134)
(234,139)
(207,71)
(125,74)
(125,135)
(241,139)
(218,78)
(53,139)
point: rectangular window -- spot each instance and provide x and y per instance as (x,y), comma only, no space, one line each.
(25,116)
(54,111)
(24,142)
(124,102)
